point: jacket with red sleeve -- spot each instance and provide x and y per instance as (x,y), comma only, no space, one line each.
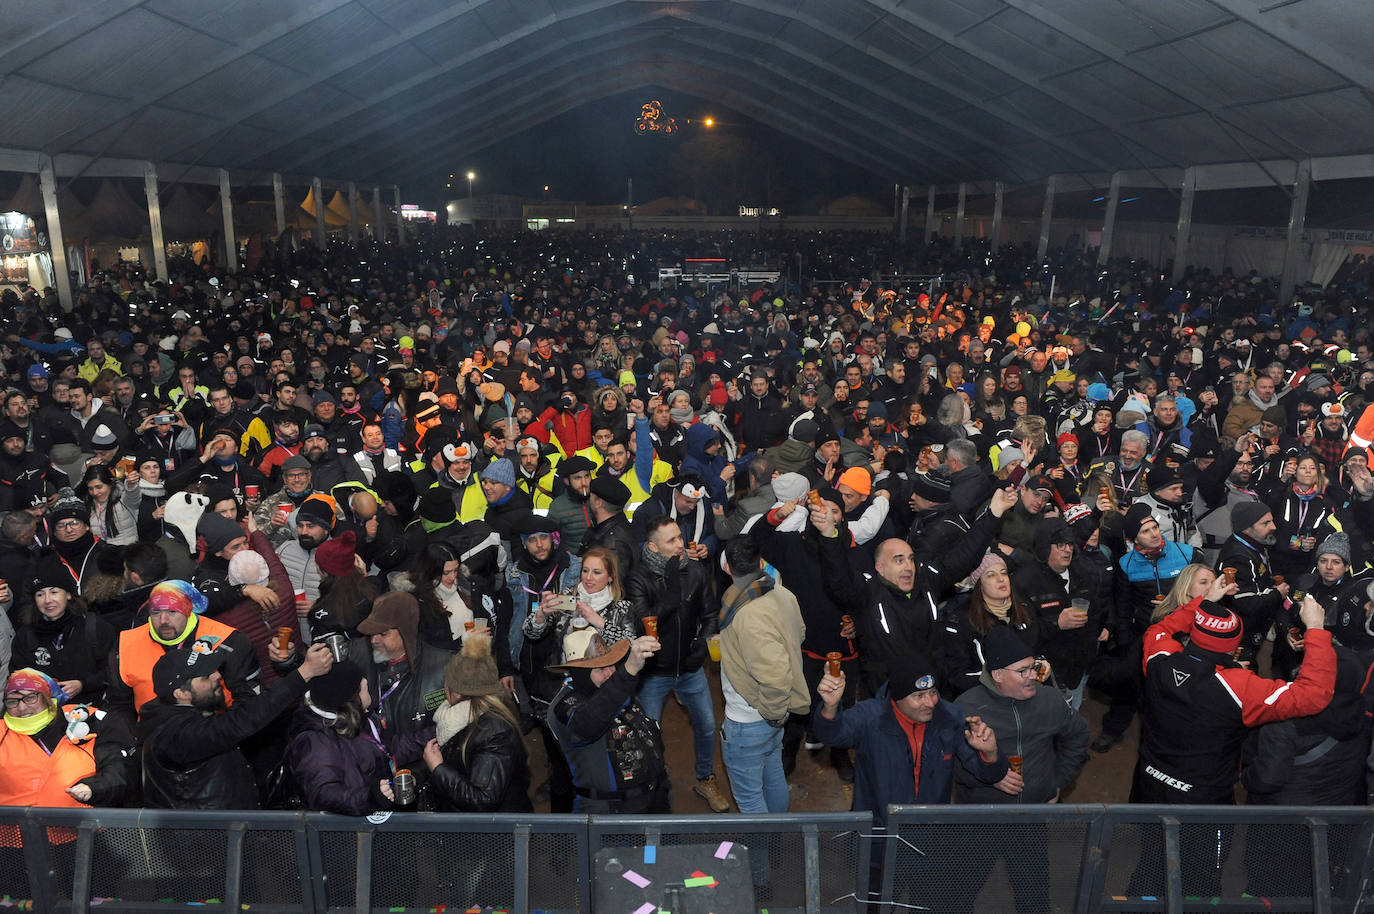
(573,428)
(1199,706)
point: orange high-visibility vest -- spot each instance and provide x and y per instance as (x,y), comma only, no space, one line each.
(31,777)
(138,652)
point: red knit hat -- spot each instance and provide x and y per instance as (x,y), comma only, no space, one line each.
(335,556)
(719,396)
(1219,632)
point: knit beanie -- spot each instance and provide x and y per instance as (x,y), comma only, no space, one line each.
(336,688)
(1002,647)
(335,556)
(1135,519)
(1276,415)
(69,506)
(50,572)
(858,479)
(501,471)
(1217,631)
(1337,544)
(437,507)
(1246,514)
(932,486)
(317,509)
(218,531)
(907,673)
(472,671)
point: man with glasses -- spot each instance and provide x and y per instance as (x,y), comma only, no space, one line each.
(1044,740)
(72,540)
(1045,743)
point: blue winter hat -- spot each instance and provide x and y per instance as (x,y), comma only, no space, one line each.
(37,371)
(1099,392)
(502,471)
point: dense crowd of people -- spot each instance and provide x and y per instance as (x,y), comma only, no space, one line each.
(339,530)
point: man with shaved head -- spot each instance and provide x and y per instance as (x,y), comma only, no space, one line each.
(897,602)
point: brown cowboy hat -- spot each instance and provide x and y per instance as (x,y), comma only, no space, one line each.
(609,657)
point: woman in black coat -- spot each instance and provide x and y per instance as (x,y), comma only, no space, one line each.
(59,638)
(477,760)
(958,637)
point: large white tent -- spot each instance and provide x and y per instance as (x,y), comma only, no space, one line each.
(923,92)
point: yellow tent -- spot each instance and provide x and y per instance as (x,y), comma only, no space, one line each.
(331,218)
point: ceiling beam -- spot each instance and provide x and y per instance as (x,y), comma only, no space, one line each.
(61,31)
(132,108)
(376,47)
(344,113)
(1281,25)
(902,65)
(879,131)
(402,113)
(1155,76)
(796,125)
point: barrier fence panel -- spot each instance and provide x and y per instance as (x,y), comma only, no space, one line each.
(1129,858)
(814,862)
(939,858)
(419,862)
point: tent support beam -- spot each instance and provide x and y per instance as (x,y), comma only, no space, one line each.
(959,215)
(1104,251)
(1185,223)
(279,202)
(1297,221)
(378,228)
(47,182)
(400,220)
(155,221)
(231,241)
(996,241)
(317,189)
(1046,215)
(906,209)
(930,212)
(352,190)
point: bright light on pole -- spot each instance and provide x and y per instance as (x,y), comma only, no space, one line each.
(472,176)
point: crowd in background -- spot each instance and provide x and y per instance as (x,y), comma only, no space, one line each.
(340,530)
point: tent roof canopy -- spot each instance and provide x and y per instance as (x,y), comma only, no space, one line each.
(923,92)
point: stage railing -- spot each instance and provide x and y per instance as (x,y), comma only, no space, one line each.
(947,858)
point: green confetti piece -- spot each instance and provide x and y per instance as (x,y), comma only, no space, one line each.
(697,882)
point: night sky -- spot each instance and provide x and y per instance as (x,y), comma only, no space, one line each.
(588,153)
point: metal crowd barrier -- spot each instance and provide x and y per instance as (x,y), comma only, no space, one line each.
(1129,858)
(947,858)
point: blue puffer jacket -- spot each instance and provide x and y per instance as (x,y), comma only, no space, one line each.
(883,766)
(1138,580)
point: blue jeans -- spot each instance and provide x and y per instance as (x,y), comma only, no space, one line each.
(695,693)
(752,754)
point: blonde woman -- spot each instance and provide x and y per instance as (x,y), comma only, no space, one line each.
(1191,583)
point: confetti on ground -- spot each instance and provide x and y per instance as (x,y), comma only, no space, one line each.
(635,878)
(724,850)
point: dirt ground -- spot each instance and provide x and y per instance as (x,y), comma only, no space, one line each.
(814,785)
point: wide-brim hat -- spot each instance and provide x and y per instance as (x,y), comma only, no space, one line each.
(610,657)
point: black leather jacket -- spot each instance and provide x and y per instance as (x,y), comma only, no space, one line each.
(678,598)
(191,760)
(408,709)
(615,534)
(485,769)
